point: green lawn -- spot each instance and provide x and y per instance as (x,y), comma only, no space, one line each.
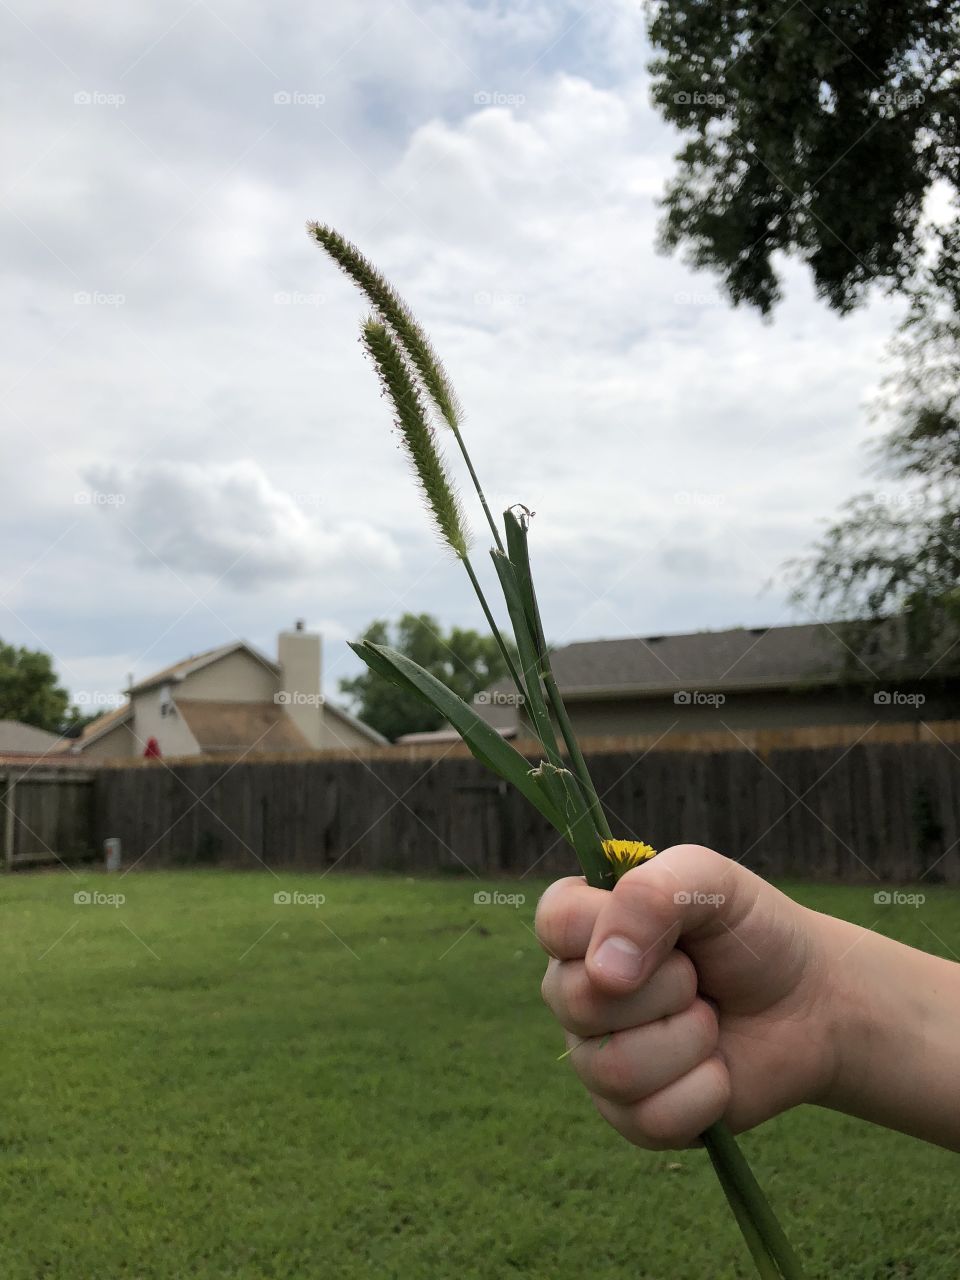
(200,1083)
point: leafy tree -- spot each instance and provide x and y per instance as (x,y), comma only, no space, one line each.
(814,129)
(890,566)
(29,691)
(464,660)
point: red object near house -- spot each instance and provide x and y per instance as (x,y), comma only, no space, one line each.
(152,750)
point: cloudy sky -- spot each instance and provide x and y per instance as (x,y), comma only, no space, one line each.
(194,448)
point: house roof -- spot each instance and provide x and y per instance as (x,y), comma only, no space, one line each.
(17,738)
(741,658)
(226,725)
(344,716)
(103,724)
(235,726)
(186,666)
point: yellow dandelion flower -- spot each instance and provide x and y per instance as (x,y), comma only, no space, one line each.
(625,854)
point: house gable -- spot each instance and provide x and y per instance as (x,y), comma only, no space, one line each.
(241,675)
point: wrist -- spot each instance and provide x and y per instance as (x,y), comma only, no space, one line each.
(891,1026)
(853,1025)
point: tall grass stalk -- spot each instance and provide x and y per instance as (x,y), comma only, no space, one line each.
(408,368)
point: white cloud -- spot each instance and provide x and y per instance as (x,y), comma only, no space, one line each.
(229,523)
(226,396)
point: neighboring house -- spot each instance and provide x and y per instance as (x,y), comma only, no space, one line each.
(18,739)
(756,678)
(228,700)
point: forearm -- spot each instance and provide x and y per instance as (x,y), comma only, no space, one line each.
(895,1015)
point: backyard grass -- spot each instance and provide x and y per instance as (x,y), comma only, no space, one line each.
(202,1083)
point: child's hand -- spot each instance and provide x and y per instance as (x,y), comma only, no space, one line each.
(693,991)
(696,991)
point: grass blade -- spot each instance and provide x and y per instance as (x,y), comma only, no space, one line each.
(484,742)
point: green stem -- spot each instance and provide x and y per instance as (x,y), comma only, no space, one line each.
(520,555)
(476,482)
(501,643)
(564,789)
(576,755)
(725,1152)
(767,1268)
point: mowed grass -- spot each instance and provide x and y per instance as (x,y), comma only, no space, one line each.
(202,1083)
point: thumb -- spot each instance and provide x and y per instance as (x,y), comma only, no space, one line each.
(687,892)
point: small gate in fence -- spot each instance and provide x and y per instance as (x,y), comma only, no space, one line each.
(48,816)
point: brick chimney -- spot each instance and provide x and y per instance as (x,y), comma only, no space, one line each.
(300,661)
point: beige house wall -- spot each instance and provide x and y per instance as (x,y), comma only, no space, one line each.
(169,730)
(339,734)
(238,677)
(768,710)
(117,744)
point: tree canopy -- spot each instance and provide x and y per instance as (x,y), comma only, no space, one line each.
(464,660)
(29,691)
(895,553)
(813,129)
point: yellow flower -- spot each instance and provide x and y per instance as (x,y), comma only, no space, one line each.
(625,854)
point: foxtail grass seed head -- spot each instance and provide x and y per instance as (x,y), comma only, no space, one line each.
(396,314)
(624,855)
(417,434)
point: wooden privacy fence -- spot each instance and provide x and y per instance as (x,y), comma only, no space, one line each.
(839,812)
(47,816)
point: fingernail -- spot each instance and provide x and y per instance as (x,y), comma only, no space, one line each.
(620,959)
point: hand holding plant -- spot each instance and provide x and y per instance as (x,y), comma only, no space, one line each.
(560,786)
(739,971)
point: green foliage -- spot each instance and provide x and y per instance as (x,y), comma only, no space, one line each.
(29,691)
(463,659)
(895,554)
(813,130)
(250,1099)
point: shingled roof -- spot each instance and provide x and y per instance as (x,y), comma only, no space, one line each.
(233,726)
(741,658)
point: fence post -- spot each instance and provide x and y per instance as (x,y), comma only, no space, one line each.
(9,827)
